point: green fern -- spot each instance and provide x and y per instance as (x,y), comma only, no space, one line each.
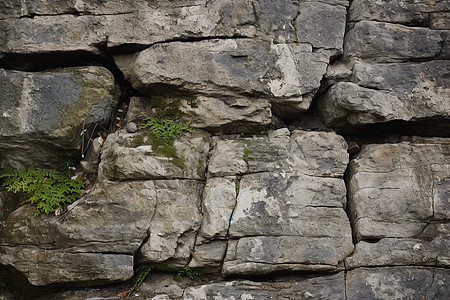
(165,129)
(49,190)
(189,273)
(142,273)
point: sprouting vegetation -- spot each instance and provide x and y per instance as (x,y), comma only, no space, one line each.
(49,190)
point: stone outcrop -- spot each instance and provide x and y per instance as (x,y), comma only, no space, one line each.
(317,167)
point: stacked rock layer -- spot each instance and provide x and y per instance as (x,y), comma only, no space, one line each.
(319,166)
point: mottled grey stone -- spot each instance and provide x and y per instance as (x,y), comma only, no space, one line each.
(175,223)
(301,153)
(275,19)
(43,267)
(290,195)
(94,241)
(388,42)
(321,25)
(132,156)
(408,12)
(381,93)
(42,113)
(398,283)
(216,114)
(51,34)
(324,287)
(219,200)
(432,251)
(392,189)
(285,74)
(208,257)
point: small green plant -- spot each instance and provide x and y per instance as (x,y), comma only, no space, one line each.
(164,129)
(163,135)
(141,274)
(49,190)
(188,273)
(247,152)
(237,183)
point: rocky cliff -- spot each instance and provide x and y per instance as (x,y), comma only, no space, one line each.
(319,167)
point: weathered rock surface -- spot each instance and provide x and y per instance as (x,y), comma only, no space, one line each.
(286,74)
(429,250)
(380,93)
(42,113)
(136,156)
(388,42)
(329,287)
(115,219)
(262,211)
(398,282)
(406,12)
(273,204)
(396,189)
(175,223)
(215,114)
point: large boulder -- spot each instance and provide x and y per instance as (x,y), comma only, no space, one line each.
(43,113)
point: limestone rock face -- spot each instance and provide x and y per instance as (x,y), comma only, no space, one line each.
(116,219)
(265,187)
(395,71)
(388,92)
(215,114)
(397,282)
(136,156)
(71,248)
(329,287)
(399,202)
(269,196)
(283,73)
(43,113)
(405,184)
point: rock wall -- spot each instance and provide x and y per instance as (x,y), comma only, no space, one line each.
(319,167)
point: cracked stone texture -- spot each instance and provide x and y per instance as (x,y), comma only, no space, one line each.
(396,69)
(96,240)
(390,42)
(326,287)
(396,189)
(398,283)
(380,93)
(134,156)
(431,249)
(285,74)
(113,220)
(215,114)
(407,12)
(283,58)
(290,195)
(142,23)
(42,113)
